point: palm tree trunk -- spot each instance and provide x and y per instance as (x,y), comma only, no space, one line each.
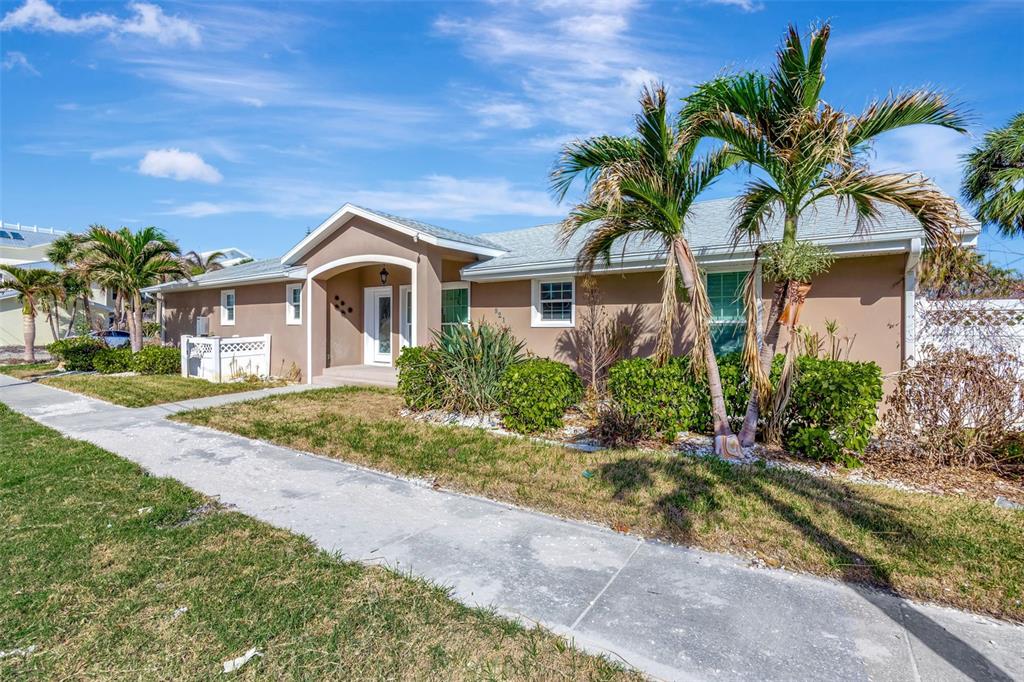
(137,319)
(72,314)
(87,307)
(725,442)
(28,323)
(51,318)
(748,433)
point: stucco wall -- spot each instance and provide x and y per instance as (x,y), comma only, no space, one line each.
(259,309)
(865,295)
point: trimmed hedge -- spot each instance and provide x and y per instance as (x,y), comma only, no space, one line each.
(157,360)
(112,360)
(417,378)
(76,353)
(536,393)
(832,409)
(664,398)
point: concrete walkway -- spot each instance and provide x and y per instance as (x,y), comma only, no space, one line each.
(673,612)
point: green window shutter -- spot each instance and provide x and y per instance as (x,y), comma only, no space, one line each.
(728,320)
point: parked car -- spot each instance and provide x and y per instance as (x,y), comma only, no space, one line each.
(114,338)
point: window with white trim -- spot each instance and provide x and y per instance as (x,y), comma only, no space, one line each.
(227,307)
(728,319)
(293,304)
(454,304)
(554,303)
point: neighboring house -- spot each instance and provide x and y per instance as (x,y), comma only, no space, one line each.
(26,248)
(366,283)
(232,256)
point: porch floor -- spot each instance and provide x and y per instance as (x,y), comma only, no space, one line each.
(359,375)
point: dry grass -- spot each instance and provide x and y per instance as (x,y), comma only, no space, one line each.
(146,390)
(946,549)
(28,370)
(97,587)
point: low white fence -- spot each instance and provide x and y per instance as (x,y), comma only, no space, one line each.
(225,358)
(983,325)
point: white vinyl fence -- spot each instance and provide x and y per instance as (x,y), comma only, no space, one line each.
(225,358)
(982,325)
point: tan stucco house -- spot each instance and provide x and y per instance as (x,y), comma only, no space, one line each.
(366,283)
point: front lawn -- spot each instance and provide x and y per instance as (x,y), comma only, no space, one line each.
(106,572)
(28,370)
(945,549)
(146,390)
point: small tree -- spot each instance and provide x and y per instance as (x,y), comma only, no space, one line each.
(596,341)
(33,287)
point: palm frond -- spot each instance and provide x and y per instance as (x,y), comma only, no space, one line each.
(587,158)
(935,211)
(754,209)
(906,109)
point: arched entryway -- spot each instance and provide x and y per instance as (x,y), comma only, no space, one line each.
(362,312)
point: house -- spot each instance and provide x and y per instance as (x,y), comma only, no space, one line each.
(26,247)
(366,283)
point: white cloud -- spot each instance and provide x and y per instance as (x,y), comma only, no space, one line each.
(932,151)
(439,198)
(178,165)
(147,21)
(577,65)
(745,5)
(18,60)
(514,115)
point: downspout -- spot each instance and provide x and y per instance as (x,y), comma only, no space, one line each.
(910,302)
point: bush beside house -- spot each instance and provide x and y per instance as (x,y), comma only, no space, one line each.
(536,394)
(76,354)
(86,354)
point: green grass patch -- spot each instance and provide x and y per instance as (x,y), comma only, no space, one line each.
(28,370)
(146,390)
(945,549)
(99,560)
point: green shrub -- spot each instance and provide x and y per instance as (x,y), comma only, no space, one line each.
(536,393)
(665,398)
(76,353)
(151,329)
(157,360)
(832,409)
(470,361)
(418,379)
(112,360)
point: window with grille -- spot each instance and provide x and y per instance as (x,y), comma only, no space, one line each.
(454,305)
(728,321)
(553,303)
(293,304)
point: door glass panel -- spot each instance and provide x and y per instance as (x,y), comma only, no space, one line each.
(407,302)
(384,324)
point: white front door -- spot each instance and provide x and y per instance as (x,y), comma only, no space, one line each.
(377,327)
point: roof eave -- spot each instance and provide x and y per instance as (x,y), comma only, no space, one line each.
(193,285)
(348,211)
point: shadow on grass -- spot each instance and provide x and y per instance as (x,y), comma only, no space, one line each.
(698,491)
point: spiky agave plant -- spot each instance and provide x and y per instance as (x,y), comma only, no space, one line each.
(806,151)
(643,186)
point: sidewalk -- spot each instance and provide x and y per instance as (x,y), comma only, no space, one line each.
(674,612)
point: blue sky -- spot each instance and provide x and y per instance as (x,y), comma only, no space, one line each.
(245,124)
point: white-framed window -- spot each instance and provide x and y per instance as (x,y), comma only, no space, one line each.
(293,304)
(728,318)
(554,302)
(227,307)
(454,304)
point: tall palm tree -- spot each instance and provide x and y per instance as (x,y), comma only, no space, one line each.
(805,151)
(64,253)
(198,264)
(642,187)
(127,262)
(994,178)
(33,287)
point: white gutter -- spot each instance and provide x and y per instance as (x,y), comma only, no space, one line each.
(193,285)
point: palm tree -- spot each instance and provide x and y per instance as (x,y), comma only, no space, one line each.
(128,262)
(642,187)
(64,252)
(33,287)
(805,151)
(198,264)
(994,178)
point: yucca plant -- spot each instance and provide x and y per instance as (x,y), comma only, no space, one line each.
(470,361)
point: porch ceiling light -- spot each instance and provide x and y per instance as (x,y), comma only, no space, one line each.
(384,275)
